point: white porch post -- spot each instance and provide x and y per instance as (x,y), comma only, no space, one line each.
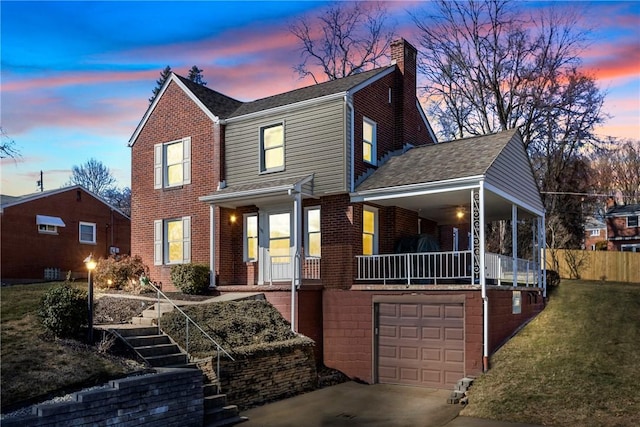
(212,246)
(543,245)
(483,283)
(514,243)
(297,258)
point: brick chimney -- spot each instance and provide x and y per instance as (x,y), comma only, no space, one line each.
(407,122)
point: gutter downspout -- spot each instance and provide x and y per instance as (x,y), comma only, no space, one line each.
(544,257)
(349,143)
(212,246)
(297,222)
(483,285)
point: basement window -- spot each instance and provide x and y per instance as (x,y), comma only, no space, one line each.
(516,302)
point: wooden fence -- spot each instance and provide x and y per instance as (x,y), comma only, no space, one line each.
(595,265)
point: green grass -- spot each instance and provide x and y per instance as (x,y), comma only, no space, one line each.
(577,363)
(33,363)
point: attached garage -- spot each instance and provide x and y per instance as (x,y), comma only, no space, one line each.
(420,341)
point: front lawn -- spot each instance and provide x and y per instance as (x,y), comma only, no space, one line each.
(577,363)
(35,364)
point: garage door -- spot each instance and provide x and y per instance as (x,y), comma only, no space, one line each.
(420,344)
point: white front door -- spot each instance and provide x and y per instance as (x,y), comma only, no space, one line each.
(276,251)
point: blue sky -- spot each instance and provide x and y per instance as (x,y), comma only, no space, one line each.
(76,76)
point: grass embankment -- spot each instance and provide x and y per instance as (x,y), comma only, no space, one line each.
(576,364)
(35,364)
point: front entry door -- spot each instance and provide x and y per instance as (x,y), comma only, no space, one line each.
(276,258)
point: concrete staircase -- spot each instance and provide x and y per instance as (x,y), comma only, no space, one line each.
(149,317)
(159,350)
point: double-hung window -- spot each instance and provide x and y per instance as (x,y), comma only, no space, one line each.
(172,241)
(172,163)
(369,141)
(272,148)
(632,221)
(313,241)
(369,231)
(250,237)
(87,232)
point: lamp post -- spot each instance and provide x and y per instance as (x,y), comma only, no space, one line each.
(90,264)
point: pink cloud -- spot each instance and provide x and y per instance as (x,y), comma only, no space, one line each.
(609,61)
(74,79)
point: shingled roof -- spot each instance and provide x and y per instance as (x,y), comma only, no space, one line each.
(220,105)
(440,162)
(307,93)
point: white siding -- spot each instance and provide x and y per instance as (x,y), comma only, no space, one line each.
(314,143)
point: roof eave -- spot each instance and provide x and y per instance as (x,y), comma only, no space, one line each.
(417,189)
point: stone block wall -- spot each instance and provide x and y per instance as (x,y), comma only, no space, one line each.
(170,397)
(265,375)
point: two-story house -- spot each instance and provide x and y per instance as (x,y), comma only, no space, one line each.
(623,229)
(337,202)
(48,234)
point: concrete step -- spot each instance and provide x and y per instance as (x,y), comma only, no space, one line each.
(218,414)
(157,350)
(226,421)
(210,389)
(152,312)
(147,340)
(140,331)
(144,321)
(167,360)
(215,401)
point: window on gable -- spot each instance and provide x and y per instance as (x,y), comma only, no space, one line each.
(250,237)
(595,233)
(87,231)
(369,231)
(172,241)
(369,141)
(312,245)
(272,148)
(172,163)
(632,221)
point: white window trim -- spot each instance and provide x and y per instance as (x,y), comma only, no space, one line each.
(245,237)
(374,143)
(306,231)
(161,244)
(160,163)
(262,169)
(637,221)
(45,230)
(634,247)
(375,227)
(516,302)
(93,226)
(595,232)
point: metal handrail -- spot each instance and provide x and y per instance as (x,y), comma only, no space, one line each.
(145,281)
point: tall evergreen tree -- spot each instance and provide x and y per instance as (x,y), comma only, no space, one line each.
(195,75)
(164,75)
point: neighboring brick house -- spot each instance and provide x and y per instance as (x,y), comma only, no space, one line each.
(623,229)
(595,232)
(337,203)
(45,235)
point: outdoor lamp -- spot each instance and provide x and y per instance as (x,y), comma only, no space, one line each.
(90,263)
(459,213)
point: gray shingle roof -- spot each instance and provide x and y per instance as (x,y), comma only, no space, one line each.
(446,160)
(219,104)
(623,210)
(306,93)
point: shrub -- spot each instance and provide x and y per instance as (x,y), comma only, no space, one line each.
(553,279)
(121,273)
(191,278)
(63,310)
(602,245)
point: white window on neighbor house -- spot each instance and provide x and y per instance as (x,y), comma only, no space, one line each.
(48,224)
(250,237)
(632,221)
(369,231)
(595,233)
(172,241)
(172,163)
(87,232)
(312,240)
(369,141)
(272,148)
(630,248)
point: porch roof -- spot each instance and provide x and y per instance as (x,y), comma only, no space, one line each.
(438,176)
(260,192)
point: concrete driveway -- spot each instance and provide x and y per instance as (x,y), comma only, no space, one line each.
(353,404)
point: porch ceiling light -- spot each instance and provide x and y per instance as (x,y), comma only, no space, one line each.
(460,213)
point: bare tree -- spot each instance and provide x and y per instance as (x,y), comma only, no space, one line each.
(119,198)
(7,146)
(489,67)
(345,39)
(615,170)
(94,176)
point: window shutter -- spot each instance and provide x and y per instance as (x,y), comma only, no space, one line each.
(186,239)
(157,166)
(186,160)
(157,242)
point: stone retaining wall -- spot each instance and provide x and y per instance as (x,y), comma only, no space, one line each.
(170,397)
(266,374)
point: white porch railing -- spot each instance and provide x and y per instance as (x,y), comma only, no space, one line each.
(431,267)
(281,268)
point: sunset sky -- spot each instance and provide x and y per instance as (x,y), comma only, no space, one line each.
(76,76)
